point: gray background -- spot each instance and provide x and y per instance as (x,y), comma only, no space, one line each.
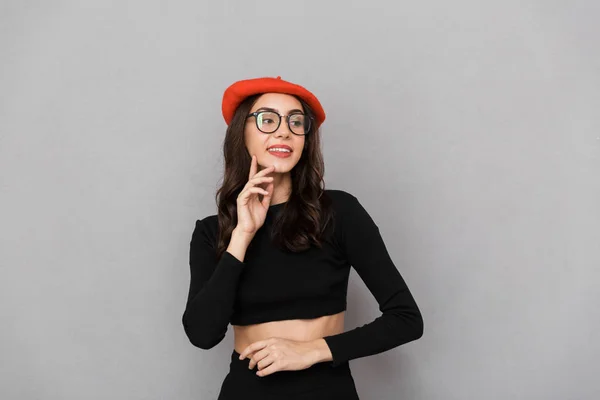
(469,130)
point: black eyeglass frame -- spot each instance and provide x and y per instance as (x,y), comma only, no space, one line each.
(281,117)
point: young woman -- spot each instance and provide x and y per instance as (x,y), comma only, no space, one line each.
(275,261)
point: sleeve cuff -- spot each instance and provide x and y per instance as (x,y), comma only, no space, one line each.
(335,350)
(231,259)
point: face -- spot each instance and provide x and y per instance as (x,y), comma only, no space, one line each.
(258,142)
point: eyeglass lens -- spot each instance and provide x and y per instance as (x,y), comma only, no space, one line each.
(268,122)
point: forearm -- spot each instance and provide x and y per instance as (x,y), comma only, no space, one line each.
(396,326)
(238,245)
(207,313)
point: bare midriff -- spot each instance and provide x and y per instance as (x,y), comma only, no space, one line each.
(293,329)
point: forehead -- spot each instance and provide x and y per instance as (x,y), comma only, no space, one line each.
(279,101)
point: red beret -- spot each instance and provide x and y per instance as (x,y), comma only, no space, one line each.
(239,90)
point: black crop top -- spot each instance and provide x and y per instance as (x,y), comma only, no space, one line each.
(273,285)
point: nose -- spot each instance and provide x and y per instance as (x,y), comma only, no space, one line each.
(284,129)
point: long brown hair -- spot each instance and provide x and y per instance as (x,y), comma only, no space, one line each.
(307,213)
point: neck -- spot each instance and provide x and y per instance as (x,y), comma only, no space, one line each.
(282,187)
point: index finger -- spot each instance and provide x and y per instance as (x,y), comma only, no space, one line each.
(252,348)
(264,171)
(253,167)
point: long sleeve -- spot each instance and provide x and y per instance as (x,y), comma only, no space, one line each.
(212,290)
(401,320)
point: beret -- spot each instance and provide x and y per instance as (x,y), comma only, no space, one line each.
(239,90)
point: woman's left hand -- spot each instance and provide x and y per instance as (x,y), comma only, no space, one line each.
(279,354)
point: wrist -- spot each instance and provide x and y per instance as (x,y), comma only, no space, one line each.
(322,352)
(238,244)
(241,237)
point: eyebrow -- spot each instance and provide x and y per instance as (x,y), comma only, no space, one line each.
(276,110)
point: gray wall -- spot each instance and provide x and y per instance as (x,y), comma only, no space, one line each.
(468,129)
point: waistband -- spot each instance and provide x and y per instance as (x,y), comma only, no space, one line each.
(288,382)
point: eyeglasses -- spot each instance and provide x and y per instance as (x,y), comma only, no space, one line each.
(269,121)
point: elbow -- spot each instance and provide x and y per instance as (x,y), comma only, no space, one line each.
(414,319)
(418,326)
(410,326)
(201,338)
(202,342)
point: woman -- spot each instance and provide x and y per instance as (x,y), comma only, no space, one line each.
(275,261)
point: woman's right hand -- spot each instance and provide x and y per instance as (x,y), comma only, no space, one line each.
(251,212)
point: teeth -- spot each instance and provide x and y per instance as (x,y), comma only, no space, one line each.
(281,150)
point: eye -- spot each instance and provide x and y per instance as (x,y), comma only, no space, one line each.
(297,120)
(267,118)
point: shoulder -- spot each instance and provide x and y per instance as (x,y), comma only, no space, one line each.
(340,196)
(209,220)
(350,210)
(342,200)
(205,229)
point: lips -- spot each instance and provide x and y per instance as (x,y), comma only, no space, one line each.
(280,153)
(281,146)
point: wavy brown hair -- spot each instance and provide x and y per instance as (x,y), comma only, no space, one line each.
(307,213)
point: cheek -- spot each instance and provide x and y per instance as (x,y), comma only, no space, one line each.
(300,146)
(255,140)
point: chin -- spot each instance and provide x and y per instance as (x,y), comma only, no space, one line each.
(281,166)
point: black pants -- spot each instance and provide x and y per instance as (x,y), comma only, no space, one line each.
(319,381)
